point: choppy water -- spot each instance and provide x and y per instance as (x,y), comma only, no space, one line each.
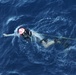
(51,17)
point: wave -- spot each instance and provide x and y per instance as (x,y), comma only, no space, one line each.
(51,17)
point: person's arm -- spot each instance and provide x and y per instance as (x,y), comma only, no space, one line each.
(6,35)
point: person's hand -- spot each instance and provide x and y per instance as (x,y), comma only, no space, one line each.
(5,34)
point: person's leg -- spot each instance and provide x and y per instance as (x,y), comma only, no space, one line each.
(64,42)
(47,43)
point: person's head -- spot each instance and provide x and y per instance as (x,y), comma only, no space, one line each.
(21,31)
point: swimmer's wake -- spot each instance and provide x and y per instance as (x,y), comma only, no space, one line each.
(60,37)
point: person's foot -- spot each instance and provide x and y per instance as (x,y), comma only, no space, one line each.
(66,45)
(45,40)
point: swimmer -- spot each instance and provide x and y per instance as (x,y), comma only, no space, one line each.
(30,34)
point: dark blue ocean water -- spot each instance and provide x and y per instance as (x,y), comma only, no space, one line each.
(50,17)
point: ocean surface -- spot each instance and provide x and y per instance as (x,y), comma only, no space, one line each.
(48,17)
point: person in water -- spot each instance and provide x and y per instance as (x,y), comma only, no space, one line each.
(30,34)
